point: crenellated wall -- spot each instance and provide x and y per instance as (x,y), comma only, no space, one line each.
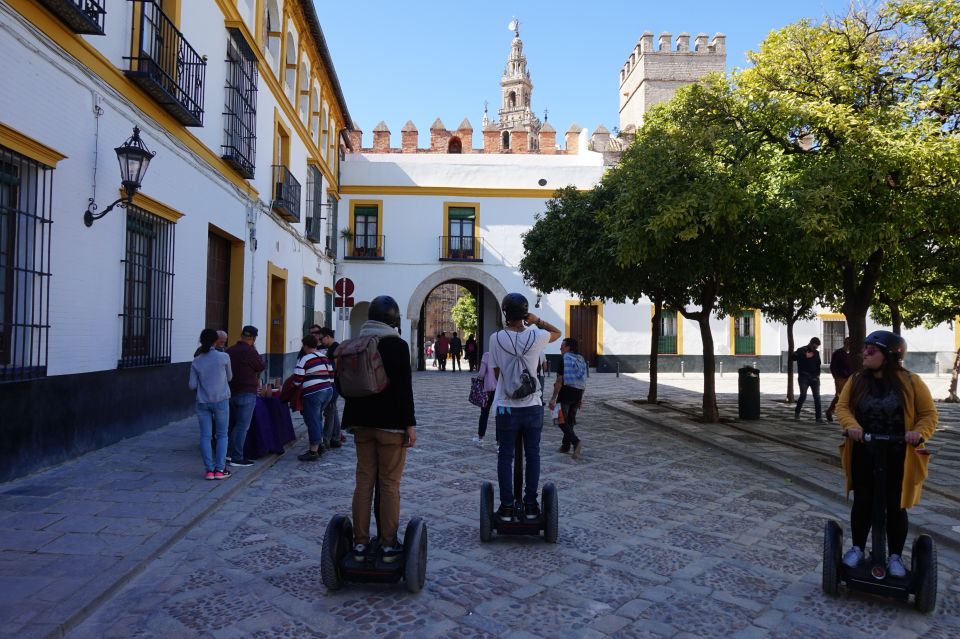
(652,74)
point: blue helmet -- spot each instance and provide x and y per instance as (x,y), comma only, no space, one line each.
(892,345)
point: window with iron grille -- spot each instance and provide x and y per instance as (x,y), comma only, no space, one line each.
(147,291)
(25,218)
(332,210)
(313,227)
(240,109)
(668,332)
(309,296)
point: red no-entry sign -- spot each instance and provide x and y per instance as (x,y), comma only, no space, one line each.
(344,287)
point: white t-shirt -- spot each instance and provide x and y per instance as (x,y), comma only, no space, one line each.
(528,343)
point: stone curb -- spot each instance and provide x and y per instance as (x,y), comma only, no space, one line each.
(771,460)
(128,570)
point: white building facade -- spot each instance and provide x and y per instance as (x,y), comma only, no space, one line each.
(233,223)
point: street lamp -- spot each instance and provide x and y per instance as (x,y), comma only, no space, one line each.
(134,158)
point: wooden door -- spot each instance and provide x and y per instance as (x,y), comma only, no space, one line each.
(583,328)
(218,282)
(278,314)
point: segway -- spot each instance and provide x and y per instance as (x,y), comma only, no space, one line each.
(338,564)
(871,574)
(547,521)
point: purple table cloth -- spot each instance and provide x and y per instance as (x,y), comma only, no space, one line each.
(270,428)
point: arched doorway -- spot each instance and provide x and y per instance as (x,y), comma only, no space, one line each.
(486,290)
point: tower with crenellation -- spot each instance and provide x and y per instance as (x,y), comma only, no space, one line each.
(653,74)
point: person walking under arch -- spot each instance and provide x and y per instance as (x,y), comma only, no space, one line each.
(456,352)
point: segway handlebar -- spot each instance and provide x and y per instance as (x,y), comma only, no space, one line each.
(893,439)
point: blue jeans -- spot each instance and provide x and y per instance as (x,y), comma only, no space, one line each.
(241,412)
(813,383)
(526,421)
(331,420)
(210,414)
(313,406)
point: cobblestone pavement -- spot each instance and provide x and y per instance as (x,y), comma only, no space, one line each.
(659,537)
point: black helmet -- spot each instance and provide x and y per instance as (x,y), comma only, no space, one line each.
(891,344)
(383,308)
(514,307)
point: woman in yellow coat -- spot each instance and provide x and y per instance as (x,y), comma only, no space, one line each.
(884,398)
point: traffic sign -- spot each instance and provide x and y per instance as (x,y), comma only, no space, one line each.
(341,302)
(344,287)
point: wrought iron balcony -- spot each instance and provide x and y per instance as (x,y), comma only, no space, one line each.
(745,345)
(461,248)
(331,246)
(83,16)
(364,247)
(165,65)
(240,109)
(286,193)
(667,345)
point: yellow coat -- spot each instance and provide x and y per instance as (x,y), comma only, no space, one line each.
(919,414)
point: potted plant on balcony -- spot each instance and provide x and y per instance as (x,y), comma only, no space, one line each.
(347,235)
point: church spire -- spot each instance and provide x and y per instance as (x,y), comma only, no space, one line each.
(516,88)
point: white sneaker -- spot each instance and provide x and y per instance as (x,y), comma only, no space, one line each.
(895,566)
(853,557)
(477,441)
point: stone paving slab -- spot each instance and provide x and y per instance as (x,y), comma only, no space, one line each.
(660,536)
(72,535)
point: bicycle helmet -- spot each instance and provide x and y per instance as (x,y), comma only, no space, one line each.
(891,344)
(514,306)
(383,308)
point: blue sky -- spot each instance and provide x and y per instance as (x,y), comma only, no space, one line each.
(421,60)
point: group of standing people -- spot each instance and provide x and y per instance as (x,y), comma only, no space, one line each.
(226,381)
(453,349)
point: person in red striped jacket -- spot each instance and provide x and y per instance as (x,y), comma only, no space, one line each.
(314,374)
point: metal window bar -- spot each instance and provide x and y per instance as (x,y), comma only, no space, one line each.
(744,342)
(309,301)
(461,248)
(286,193)
(165,65)
(147,317)
(313,225)
(364,246)
(332,212)
(240,109)
(26,192)
(83,16)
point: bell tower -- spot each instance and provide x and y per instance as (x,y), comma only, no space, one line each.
(516,90)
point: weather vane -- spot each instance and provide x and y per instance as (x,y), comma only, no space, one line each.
(514,26)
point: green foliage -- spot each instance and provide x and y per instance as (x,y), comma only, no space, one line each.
(464,314)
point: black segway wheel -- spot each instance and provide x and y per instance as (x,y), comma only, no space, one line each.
(832,548)
(551,514)
(336,543)
(486,511)
(924,560)
(415,555)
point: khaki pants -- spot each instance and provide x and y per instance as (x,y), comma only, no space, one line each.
(380,459)
(839,383)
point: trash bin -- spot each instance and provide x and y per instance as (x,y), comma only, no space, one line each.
(748,393)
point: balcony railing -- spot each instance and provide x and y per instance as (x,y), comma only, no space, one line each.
(364,247)
(745,345)
(240,107)
(461,248)
(286,193)
(83,16)
(165,65)
(667,345)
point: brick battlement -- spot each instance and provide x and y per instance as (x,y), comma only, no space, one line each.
(645,48)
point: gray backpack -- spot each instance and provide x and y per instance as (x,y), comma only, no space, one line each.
(517,380)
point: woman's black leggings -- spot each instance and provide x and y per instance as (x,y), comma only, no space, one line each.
(484,416)
(861,515)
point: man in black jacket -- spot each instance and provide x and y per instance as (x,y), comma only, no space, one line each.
(808,376)
(383,426)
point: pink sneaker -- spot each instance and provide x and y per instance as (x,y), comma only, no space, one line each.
(209,475)
(221,474)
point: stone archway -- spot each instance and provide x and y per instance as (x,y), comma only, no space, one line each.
(446,274)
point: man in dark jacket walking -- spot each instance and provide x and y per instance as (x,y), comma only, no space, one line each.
(841,367)
(808,376)
(456,352)
(383,426)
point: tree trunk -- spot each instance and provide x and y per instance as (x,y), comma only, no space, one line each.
(711,414)
(952,397)
(896,317)
(791,346)
(654,350)
(858,291)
